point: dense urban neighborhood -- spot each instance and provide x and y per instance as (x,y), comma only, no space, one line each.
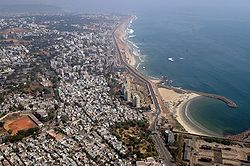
(55,69)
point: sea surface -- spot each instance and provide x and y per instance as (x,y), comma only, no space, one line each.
(204,50)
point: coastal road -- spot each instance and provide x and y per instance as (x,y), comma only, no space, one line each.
(164,153)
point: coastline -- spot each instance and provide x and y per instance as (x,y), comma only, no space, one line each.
(180,112)
(184,117)
(123,33)
(178,105)
(132,54)
(120,61)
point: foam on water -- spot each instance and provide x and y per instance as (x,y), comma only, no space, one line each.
(131,36)
(209,53)
(130,31)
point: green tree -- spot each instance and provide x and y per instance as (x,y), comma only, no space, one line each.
(1,99)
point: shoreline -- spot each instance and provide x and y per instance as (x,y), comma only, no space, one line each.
(181,112)
(126,32)
(190,125)
(178,106)
(133,57)
(130,57)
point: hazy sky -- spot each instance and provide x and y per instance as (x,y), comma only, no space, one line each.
(134,5)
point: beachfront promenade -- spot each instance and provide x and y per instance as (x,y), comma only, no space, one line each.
(120,44)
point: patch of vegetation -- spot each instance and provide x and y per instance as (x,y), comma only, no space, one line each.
(198,165)
(115,87)
(178,126)
(1,99)
(13,108)
(51,115)
(135,135)
(95,159)
(177,153)
(205,159)
(2,114)
(20,107)
(46,90)
(64,118)
(218,140)
(1,123)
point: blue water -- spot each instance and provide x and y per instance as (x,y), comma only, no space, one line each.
(214,48)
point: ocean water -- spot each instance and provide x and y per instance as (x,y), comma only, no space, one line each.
(202,50)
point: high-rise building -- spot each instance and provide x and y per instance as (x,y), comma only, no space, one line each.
(128,82)
(127,90)
(169,136)
(136,100)
(127,94)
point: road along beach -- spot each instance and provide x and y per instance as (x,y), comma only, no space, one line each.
(177,100)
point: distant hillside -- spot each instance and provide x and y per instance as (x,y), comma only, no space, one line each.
(28,8)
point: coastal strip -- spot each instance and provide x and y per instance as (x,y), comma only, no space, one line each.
(180,110)
(178,101)
(125,50)
(122,48)
(178,104)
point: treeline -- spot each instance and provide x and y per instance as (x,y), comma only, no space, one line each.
(218,140)
(132,123)
(139,143)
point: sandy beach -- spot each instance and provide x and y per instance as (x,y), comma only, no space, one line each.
(177,104)
(169,95)
(124,45)
(155,80)
(131,59)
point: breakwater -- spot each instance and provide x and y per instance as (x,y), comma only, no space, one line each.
(227,101)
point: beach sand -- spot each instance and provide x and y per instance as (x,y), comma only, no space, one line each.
(177,104)
(156,81)
(168,94)
(131,59)
(124,45)
(179,114)
(186,121)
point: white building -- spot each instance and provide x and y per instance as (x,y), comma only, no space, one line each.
(169,136)
(127,94)
(127,90)
(136,101)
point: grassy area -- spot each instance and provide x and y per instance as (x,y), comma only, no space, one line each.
(177,153)
(136,136)
(176,124)
(218,140)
